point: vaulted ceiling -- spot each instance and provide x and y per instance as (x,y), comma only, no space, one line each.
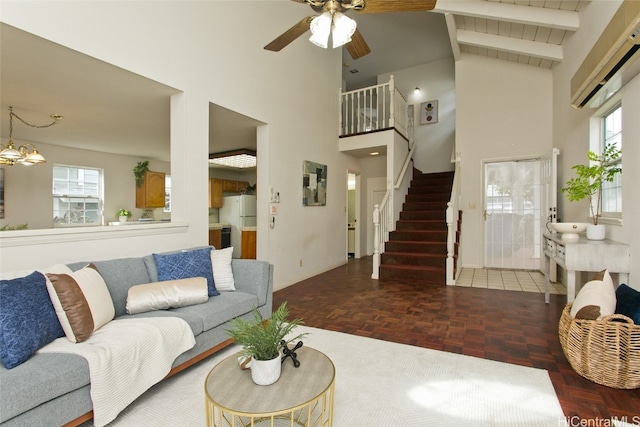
(525,31)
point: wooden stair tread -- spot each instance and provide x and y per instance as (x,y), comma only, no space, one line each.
(417,248)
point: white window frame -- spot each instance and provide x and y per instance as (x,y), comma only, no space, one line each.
(596,144)
(167,194)
(97,196)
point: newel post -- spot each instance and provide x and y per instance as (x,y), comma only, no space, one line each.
(376,242)
(340,114)
(392,102)
(450,246)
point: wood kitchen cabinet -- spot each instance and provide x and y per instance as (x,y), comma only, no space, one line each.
(248,244)
(215,238)
(151,193)
(233,186)
(215,192)
(242,186)
(229,185)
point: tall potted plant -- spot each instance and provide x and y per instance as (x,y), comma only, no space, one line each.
(262,341)
(588,182)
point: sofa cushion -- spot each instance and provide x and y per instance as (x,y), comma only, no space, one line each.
(82,302)
(595,299)
(194,320)
(167,294)
(185,264)
(222,271)
(628,302)
(220,309)
(46,377)
(28,320)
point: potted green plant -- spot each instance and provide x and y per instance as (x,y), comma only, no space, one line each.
(588,182)
(123,215)
(262,340)
(139,171)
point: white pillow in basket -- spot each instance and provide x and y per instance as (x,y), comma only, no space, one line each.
(222,272)
(595,300)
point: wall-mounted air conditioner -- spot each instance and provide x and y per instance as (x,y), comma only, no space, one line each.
(613,52)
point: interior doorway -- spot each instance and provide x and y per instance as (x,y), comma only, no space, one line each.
(512,214)
(353,215)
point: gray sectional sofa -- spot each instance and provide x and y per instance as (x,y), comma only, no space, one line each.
(53,389)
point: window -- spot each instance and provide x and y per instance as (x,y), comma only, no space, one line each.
(77,196)
(167,194)
(611,202)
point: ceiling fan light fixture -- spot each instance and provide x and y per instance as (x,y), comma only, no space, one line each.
(320,29)
(343,29)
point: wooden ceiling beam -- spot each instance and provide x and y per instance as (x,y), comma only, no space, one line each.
(527,15)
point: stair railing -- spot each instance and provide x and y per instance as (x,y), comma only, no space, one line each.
(373,108)
(453,215)
(383,216)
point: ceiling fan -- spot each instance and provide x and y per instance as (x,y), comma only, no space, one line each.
(331,20)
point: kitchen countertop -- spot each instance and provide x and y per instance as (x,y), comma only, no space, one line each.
(249,228)
(218,225)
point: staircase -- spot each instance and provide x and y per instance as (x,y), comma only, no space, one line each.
(417,250)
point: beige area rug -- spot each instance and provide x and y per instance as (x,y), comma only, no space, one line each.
(379,383)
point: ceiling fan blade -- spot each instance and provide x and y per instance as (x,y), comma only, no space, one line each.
(357,47)
(382,6)
(290,35)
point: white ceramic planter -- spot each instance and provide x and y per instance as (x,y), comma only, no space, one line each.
(265,372)
(596,232)
(123,218)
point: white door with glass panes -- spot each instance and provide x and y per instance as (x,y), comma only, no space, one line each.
(512,214)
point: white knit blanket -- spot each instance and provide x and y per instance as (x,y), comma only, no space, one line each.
(126,357)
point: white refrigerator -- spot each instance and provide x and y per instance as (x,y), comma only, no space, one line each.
(239,212)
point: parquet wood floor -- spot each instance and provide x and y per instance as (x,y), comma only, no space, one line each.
(507,326)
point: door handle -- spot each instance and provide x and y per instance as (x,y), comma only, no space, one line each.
(485,214)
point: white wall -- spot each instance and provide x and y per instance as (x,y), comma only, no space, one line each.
(200,49)
(436,81)
(503,112)
(571,132)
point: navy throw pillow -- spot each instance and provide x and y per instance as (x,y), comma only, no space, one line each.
(183,265)
(628,302)
(28,320)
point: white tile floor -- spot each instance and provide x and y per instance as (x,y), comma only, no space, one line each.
(510,280)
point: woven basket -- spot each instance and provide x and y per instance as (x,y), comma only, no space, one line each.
(604,351)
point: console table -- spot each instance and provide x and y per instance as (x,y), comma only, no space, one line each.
(584,255)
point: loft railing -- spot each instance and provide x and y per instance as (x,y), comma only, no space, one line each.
(373,108)
(383,216)
(453,215)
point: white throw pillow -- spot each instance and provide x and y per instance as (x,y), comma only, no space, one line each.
(595,300)
(82,302)
(222,272)
(167,294)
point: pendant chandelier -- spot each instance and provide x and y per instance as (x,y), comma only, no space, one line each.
(26,154)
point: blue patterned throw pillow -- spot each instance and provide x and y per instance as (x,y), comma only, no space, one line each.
(183,265)
(28,320)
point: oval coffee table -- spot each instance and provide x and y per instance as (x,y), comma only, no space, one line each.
(302,396)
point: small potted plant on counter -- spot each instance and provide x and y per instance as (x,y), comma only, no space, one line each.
(588,182)
(123,215)
(262,340)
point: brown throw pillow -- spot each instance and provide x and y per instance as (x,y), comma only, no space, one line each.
(588,312)
(82,302)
